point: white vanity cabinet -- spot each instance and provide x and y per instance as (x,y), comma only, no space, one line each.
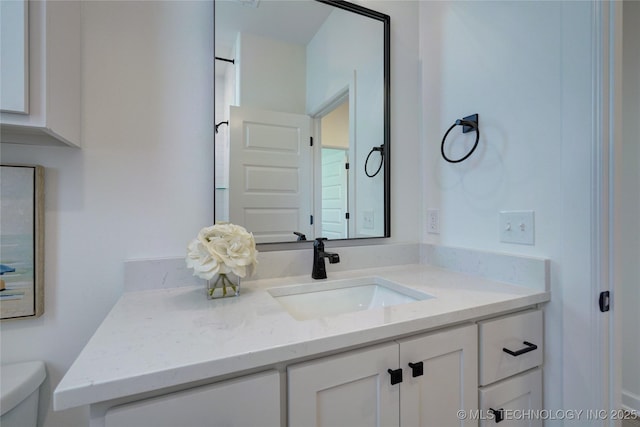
(50,85)
(482,373)
(436,377)
(252,400)
(257,365)
(511,355)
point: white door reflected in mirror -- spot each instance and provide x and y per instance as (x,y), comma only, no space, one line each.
(270,173)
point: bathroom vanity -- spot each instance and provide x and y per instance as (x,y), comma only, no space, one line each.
(172,357)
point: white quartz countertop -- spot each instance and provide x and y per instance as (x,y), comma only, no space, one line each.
(163,338)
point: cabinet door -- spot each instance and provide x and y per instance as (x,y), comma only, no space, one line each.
(243,402)
(449,379)
(351,389)
(515,399)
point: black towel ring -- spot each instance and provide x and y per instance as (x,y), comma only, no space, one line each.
(374,149)
(469,123)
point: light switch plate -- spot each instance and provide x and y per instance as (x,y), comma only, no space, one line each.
(517,227)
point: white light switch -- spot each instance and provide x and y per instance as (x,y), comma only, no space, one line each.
(517,227)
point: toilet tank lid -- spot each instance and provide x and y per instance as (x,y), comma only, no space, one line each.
(18,381)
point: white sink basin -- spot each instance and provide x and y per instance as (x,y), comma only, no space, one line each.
(330,298)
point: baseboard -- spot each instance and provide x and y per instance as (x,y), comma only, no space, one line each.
(630,402)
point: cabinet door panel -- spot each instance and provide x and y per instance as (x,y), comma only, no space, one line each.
(243,402)
(449,381)
(517,396)
(351,389)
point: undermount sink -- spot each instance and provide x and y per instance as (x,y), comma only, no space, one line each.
(330,298)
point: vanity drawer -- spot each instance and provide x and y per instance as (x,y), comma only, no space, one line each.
(512,402)
(510,345)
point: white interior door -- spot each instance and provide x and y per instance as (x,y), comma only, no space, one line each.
(270,173)
(335,224)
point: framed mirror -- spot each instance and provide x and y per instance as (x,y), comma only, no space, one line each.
(302,119)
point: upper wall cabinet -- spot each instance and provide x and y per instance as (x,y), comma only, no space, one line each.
(14,58)
(44,73)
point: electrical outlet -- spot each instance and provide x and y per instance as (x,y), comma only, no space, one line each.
(433,221)
(367,220)
(517,227)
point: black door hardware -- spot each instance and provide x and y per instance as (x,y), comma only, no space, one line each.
(396,375)
(604,301)
(498,414)
(417,369)
(529,347)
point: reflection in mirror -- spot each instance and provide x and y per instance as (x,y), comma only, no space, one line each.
(334,181)
(302,101)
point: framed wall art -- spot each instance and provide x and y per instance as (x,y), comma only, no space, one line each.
(21,241)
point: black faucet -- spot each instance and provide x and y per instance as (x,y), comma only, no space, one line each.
(319,270)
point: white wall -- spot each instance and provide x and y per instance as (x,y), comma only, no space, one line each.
(406,164)
(346,54)
(281,64)
(224,97)
(525,67)
(630,207)
(508,72)
(140,187)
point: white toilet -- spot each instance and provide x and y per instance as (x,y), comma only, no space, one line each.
(19,390)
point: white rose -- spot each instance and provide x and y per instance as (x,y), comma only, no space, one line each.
(222,248)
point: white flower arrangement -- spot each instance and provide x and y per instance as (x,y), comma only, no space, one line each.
(222,249)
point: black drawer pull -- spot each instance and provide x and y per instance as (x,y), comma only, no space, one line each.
(498,414)
(529,347)
(416,369)
(396,375)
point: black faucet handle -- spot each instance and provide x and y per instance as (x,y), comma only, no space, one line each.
(319,243)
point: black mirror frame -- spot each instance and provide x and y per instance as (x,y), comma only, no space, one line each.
(386,20)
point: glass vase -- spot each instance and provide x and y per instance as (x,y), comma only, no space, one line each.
(223,285)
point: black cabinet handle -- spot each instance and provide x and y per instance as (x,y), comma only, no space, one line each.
(417,369)
(498,414)
(396,375)
(529,347)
